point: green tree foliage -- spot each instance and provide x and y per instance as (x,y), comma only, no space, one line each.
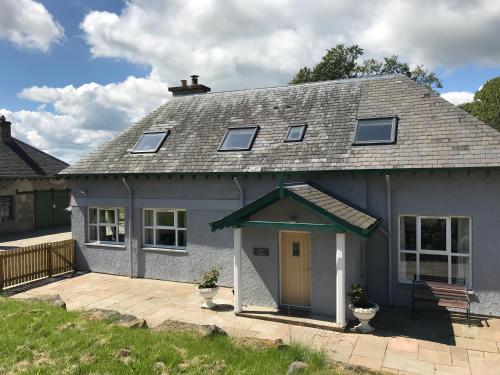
(341,61)
(486,103)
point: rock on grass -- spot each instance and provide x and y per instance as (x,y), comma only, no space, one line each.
(53,299)
(116,318)
(296,368)
(204,330)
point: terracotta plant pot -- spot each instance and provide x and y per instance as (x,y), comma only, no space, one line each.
(208,294)
(364,315)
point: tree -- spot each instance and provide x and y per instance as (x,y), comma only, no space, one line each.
(486,103)
(342,62)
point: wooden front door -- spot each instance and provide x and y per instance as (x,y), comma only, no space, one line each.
(295,264)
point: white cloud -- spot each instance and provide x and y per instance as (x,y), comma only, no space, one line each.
(85,116)
(235,44)
(458,97)
(27,23)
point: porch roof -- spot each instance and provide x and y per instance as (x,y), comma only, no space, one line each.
(343,215)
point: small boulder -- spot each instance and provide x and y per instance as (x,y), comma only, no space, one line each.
(116,318)
(204,330)
(53,299)
(296,367)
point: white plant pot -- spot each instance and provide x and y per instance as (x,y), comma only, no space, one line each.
(364,315)
(208,294)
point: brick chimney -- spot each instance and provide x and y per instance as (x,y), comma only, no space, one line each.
(193,89)
(4,129)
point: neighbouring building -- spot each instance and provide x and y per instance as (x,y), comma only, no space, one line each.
(32,196)
(297,192)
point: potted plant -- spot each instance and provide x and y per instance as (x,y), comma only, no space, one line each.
(361,308)
(208,287)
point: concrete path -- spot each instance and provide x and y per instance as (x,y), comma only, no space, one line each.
(11,241)
(473,350)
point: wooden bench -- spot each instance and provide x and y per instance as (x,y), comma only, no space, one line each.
(441,294)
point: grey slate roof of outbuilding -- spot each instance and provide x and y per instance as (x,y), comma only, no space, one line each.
(432,133)
(19,159)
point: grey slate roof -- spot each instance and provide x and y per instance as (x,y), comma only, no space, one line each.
(432,133)
(334,206)
(19,159)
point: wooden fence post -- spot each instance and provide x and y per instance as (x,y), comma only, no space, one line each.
(49,259)
(1,272)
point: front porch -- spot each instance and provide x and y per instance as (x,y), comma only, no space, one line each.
(298,247)
(432,344)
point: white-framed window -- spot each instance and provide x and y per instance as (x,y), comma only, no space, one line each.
(106,225)
(165,228)
(435,248)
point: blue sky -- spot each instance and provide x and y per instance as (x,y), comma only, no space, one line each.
(76,72)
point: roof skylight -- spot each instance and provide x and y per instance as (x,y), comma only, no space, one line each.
(295,133)
(238,139)
(150,142)
(376,131)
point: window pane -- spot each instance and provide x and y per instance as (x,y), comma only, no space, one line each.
(181,238)
(165,219)
(434,267)
(93,233)
(407,266)
(181,219)
(6,207)
(148,218)
(295,133)
(374,131)
(121,234)
(408,233)
(460,235)
(107,234)
(238,139)
(165,237)
(121,216)
(107,216)
(93,216)
(433,234)
(459,270)
(148,237)
(150,142)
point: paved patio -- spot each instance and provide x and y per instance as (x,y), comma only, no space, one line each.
(431,344)
(14,240)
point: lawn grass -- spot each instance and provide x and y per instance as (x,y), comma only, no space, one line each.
(36,338)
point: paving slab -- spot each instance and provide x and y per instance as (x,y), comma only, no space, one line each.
(484,366)
(403,363)
(434,356)
(370,363)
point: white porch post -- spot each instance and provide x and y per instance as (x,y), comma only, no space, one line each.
(340,242)
(237,270)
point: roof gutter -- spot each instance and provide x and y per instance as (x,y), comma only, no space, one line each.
(389,233)
(130,224)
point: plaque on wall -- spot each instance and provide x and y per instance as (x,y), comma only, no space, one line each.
(261,251)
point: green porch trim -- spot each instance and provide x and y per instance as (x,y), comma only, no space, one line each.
(240,218)
(289,225)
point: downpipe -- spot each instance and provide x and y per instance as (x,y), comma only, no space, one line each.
(130,224)
(389,232)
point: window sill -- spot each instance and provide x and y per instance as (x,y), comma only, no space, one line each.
(97,244)
(165,250)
